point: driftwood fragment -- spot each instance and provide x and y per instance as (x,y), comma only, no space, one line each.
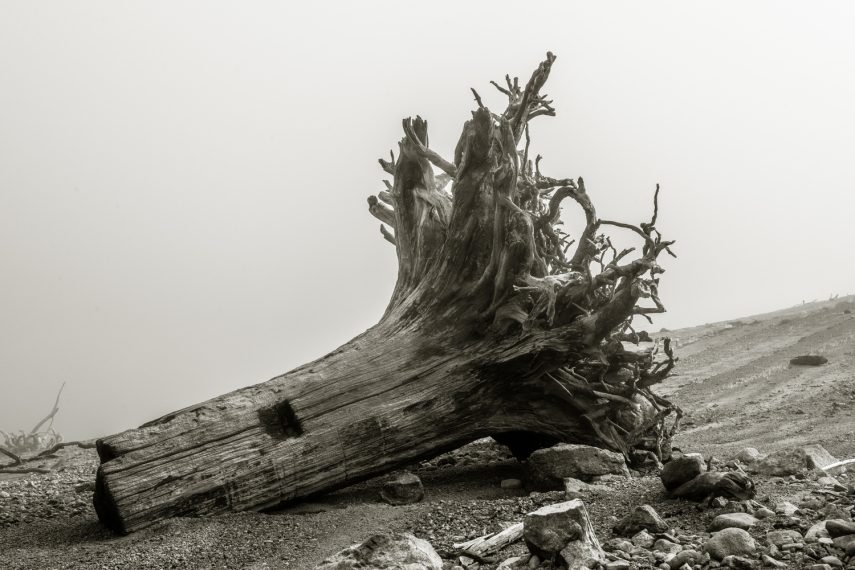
(493,542)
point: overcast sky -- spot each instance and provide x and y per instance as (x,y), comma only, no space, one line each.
(183,185)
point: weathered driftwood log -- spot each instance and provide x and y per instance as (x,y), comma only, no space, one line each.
(492,329)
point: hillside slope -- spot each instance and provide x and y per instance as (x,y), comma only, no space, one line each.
(738,389)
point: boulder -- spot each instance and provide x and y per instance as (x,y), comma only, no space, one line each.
(546,469)
(576,489)
(398,551)
(816,532)
(837,528)
(682,470)
(563,531)
(781,537)
(732,520)
(730,542)
(731,485)
(642,518)
(809,360)
(402,488)
(748,456)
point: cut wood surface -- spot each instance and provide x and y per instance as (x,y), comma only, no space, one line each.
(495,327)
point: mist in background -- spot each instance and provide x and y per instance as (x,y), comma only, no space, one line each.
(183,185)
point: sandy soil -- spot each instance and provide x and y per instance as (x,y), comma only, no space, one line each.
(734,382)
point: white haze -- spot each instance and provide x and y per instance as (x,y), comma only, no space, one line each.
(183,185)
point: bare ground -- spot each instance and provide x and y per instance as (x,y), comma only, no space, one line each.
(734,382)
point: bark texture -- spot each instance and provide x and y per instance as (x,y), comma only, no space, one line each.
(494,328)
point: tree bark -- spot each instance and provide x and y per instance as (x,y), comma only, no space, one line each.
(491,330)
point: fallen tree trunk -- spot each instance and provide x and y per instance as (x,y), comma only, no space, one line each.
(491,330)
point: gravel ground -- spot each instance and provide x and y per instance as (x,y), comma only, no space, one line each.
(46,523)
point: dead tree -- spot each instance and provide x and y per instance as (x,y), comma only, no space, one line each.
(494,328)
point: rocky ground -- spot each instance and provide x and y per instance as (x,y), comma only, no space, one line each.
(734,381)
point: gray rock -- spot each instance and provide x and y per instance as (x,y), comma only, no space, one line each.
(812,503)
(690,557)
(781,537)
(816,532)
(682,470)
(809,360)
(850,549)
(565,530)
(576,489)
(837,528)
(748,456)
(642,518)
(386,551)
(785,508)
(791,461)
(643,539)
(402,488)
(819,567)
(738,562)
(771,562)
(730,541)
(764,513)
(832,561)
(732,520)
(546,469)
(828,481)
(618,565)
(842,542)
(666,546)
(832,511)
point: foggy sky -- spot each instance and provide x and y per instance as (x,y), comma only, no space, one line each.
(183,185)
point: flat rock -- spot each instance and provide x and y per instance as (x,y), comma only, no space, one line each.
(730,542)
(816,532)
(732,520)
(837,528)
(642,518)
(843,542)
(832,561)
(402,488)
(781,537)
(399,551)
(682,470)
(563,531)
(748,456)
(688,556)
(785,508)
(546,469)
(576,489)
(809,360)
(791,461)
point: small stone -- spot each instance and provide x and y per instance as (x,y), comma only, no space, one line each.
(618,565)
(402,488)
(511,484)
(718,503)
(832,561)
(785,508)
(643,539)
(690,557)
(850,549)
(842,542)
(809,360)
(763,513)
(642,518)
(382,551)
(769,561)
(732,520)
(748,456)
(666,546)
(534,561)
(738,562)
(546,469)
(816,532)
(5,495)
(828,481)
(820,567)
(563,532)
(812,503)
(730,541)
